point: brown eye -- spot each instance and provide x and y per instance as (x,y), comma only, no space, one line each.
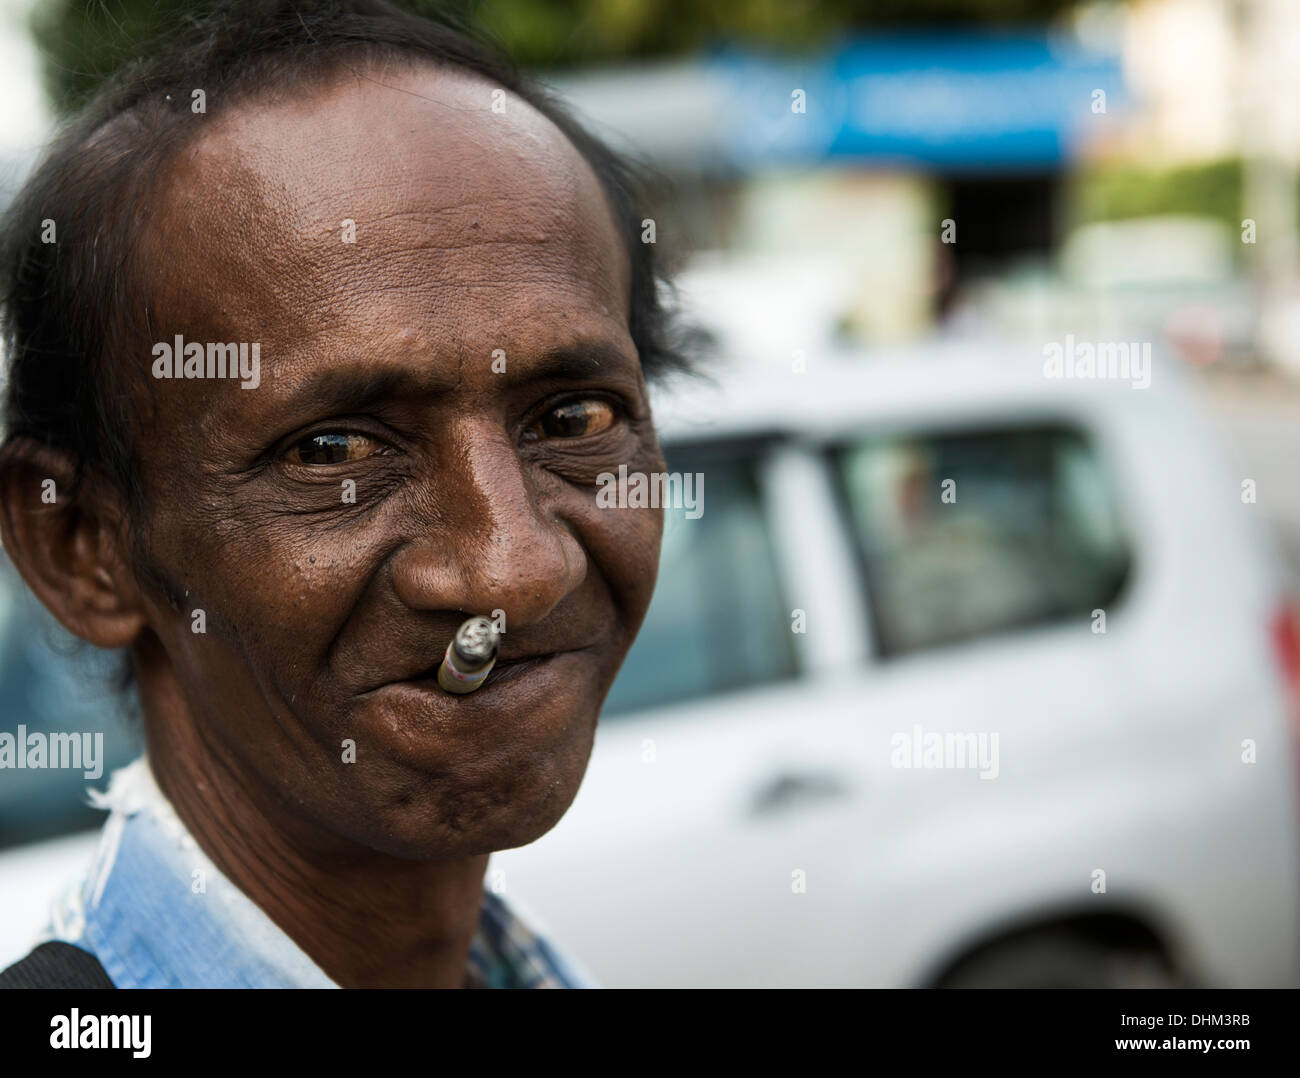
(576,419)
(333,448)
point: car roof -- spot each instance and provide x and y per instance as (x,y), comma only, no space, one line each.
(961,382)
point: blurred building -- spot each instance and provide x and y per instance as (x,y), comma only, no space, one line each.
(860,155)
(1092,176)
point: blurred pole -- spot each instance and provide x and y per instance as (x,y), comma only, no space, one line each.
(1263,29)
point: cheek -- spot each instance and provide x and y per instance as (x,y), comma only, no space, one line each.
(270,598)
(624,544)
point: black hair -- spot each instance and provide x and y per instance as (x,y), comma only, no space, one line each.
(69,308)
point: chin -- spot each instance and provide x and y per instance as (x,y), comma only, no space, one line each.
(422,841)
(438,824)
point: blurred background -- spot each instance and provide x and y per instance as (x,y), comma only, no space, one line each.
(882,218)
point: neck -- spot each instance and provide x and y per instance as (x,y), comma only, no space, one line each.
(369,920)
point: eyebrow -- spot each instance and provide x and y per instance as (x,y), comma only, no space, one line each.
(338,388)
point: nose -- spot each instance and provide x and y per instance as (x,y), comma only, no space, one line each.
(494,541)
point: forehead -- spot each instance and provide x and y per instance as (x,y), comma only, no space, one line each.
(389,202)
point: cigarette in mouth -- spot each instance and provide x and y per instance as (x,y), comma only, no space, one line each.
(470,656)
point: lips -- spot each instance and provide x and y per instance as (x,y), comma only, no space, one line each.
(536,708)
(508,668)
(518,663)
(414,655)
(505,673)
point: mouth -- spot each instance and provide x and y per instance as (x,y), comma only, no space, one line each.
(509,669)
(528,707)
(505,671)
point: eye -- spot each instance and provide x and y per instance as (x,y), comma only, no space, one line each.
(333,447)
(574,419)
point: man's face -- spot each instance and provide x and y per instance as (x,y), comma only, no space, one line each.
(436,401)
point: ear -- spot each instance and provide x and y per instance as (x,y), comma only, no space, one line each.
(71,551)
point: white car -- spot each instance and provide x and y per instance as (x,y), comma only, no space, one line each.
(957,675)
(1092,623)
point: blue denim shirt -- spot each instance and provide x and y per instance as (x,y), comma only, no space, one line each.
(157,913)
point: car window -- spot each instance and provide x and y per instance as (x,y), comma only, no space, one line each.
(719,619)
(51,684)
(965,534)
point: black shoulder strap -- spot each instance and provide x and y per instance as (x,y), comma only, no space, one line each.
(56,965)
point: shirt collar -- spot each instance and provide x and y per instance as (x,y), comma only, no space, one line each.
(157,913)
